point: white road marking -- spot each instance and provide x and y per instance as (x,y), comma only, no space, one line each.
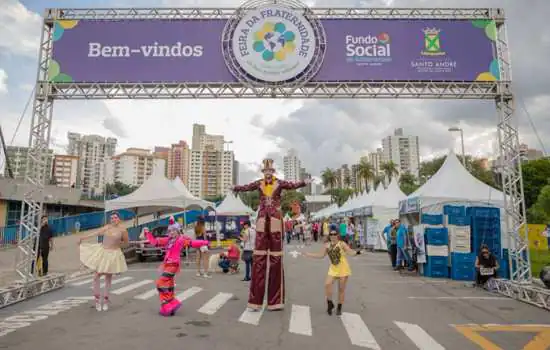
(25,319)
(146,295)
(86,281)
(188,293)
(251,317)
(215,303)
(300,320)
(419,337)
(79,278)
(460,298)
(131,287)
(86,297)
(358,332)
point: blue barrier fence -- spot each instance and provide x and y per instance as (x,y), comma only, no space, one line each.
(65,225)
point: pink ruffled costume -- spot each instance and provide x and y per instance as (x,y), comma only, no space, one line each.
(170,267)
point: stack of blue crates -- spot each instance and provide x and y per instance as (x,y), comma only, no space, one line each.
(436,266)
(485,223)
(463,266)
(431,219)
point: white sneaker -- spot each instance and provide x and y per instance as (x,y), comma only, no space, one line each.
(205,275)
(98,304)
(105,306)
(199,274)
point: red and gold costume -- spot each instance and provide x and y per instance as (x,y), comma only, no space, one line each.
(269,240)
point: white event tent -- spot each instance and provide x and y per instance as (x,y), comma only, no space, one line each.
(157,194)
(233,206)
(453,183)
(384,207)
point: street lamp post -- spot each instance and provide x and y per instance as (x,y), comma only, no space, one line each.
(454,129)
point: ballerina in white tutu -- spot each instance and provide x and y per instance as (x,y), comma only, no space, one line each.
(105,258)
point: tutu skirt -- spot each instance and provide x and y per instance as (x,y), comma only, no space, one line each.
(102,260)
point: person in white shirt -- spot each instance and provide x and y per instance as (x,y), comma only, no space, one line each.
(248,236)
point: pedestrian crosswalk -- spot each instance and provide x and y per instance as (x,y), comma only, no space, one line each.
(300,321)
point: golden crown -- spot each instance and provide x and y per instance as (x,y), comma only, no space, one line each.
(431,31)
(267,164)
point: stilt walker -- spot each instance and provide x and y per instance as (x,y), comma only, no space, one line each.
(174,243)
(269,239)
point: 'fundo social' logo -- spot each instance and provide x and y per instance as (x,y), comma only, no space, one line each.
(273,43)
(368,48)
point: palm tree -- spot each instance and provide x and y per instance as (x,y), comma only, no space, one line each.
(347,181)
(390,170)
(365,172)
(329,180)
(378,180)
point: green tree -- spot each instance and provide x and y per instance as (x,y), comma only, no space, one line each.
(539,213)
(328,176)
(340,195)
(473,165)
(251,199)
(347,181)
(390,170)
(119,189)
(289,197)
(408,183)
(215,199)
(536,174)
(365,172)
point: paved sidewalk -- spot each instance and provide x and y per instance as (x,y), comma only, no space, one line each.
(63,258)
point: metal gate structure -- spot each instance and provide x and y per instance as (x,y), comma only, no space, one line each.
(307,76)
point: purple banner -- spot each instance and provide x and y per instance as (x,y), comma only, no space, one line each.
(190,51)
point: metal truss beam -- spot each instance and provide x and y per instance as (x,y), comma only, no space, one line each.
(23,290)
(321,90)
(527,293)
(326,12)
(36,170)
(510,167)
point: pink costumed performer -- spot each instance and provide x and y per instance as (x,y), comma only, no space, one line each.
(174,243)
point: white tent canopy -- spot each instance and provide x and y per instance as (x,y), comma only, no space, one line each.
(192,200)
(233,205)
(390,197)
(156,193)
(453,183)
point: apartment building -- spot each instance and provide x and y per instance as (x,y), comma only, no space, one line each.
(65,170)
(403,150)
(211,172)
(178,162)
(94,152)
(291,166)
(18,157)
(135,166)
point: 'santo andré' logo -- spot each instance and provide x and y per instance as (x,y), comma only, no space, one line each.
(432,42)
(274,41)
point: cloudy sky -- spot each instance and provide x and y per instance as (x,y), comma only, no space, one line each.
(325,132)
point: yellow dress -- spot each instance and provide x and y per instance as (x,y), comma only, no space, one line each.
(336,252)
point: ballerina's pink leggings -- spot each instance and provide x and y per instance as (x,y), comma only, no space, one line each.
(106,287)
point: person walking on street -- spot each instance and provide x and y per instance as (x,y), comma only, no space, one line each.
(390,234)
(45,244)
(248,236)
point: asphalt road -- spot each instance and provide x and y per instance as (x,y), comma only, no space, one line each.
(384,310)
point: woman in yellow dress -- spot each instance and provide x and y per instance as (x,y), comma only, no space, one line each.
(339,269)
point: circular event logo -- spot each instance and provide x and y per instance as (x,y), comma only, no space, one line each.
(273,43)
